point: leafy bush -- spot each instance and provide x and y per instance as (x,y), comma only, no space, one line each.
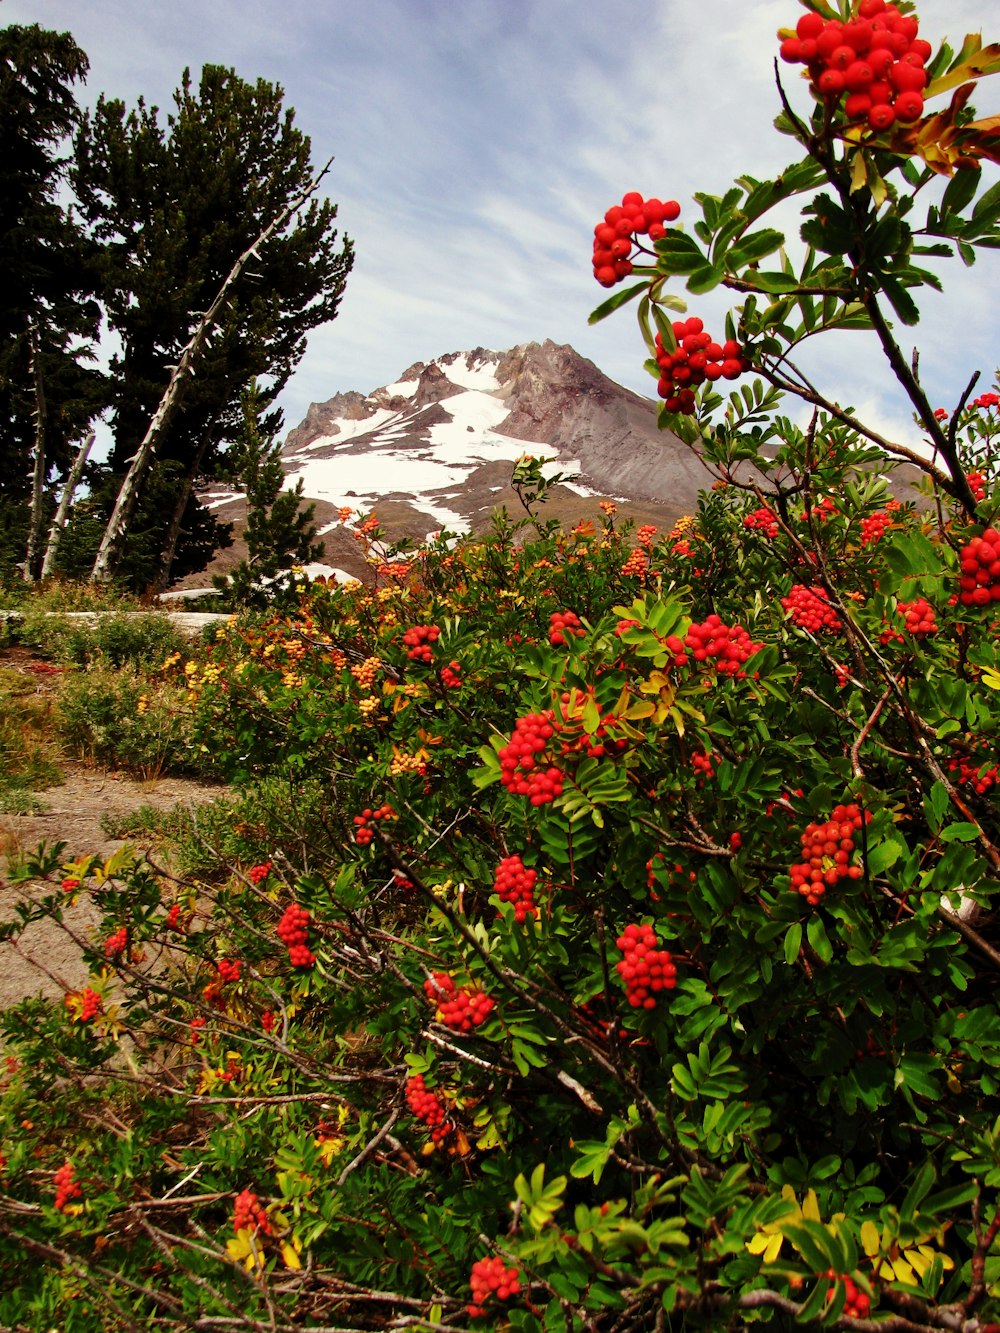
(28,759)
(644,974)
(112,639)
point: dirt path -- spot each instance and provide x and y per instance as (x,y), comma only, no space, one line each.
(44,961)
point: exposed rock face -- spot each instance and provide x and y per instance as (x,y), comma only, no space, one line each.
(435,449)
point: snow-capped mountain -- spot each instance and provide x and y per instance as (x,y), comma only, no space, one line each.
(435,448)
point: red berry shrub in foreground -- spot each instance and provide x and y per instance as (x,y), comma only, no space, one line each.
(427,1107)
(829,850)
(723,647)
(418,642)
(645,969)
(249,1214)
(520,771)
(979,584)
(293,931)
(810,609)
(491,1278)
(459,1007)
(635,216)
(695,359)
(563,623)
(67,1186)
(515,883)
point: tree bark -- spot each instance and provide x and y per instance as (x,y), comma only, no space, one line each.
(38,471)
(109,552)
(69,490)
(174,531)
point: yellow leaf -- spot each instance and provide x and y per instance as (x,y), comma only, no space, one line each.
(810,1207)
(289,1252)
(869,1239)
(903,1272)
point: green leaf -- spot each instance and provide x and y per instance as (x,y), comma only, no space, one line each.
(616,302)
(793,942)
(900,299)
(704,278)
(818,939)
(961,832)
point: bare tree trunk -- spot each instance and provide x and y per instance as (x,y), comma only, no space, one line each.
(170,545)
(69,490)
(38,472)
(109,552)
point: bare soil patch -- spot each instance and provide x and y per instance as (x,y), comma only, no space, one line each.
(44,960)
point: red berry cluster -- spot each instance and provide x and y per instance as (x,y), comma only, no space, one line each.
(873,526)
(519,770)
(229,969)
(987,400)
(562,623)
(645,969)
(695,359)
(363,831)
(249,1214)
(703,764)
(762,520)
(856,1302)
(635,216)
(979,584)
(293,931)
(67,1186)
(810,609)
(451,677)
(460,1008)
(91,1005)
(977,774)
(828,849)
(418,642)
(116,944)
(69,884)
(657,866)
(195,1027)
(874,61)
(515,883)
(257,874)
(725,647)
(491,1278)
(573,736)
(918,616)
(427,1107)
(173,918)
(977,484)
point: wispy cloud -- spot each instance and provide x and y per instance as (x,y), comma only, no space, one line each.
(477,144)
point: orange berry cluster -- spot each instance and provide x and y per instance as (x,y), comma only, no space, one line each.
(856,1302)
(249,1214)
(725,647)
(460,1008)
(635,216)
(116,943)
(293,931)
(363,831)
(645,969)
(828,850)
(979,584)
(762,520)
(419,640)
(91,1006)
(810,609)
(515,883)
(427,1107)
(519,770)
(491,1278)
(67,1186)
(636,564)
(695,359)
(562,623)
(875,61)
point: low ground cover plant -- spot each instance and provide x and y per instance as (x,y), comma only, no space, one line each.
(635,966)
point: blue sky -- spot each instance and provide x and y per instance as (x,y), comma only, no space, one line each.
(477,142)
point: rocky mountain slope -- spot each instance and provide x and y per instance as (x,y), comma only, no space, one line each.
(435,449)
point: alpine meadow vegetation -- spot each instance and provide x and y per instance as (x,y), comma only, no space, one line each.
(602,934)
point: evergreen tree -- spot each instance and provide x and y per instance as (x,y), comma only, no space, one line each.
(49,319)
(173,207)
(279,533)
